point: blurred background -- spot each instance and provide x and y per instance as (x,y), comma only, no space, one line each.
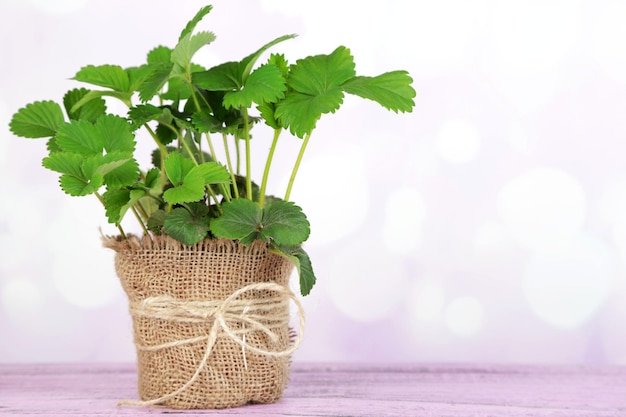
(488,225)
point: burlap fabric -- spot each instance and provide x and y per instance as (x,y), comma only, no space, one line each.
(174,291)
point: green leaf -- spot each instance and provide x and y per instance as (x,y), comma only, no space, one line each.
(305,271)
(213,173)
(77,187)
(65,163)
(392,90)
(189,181)
(240,181)
(205,122)
(116,134)
(97,94)
(154,83)
(160,55)
(284,223)
(239,221)
(177,167)
(107,76)
(156,157)
(188,45)
(281,62)
(268,114)
(81,137)
(156,221)
(223,77)
(279,221)
(191,25)
(231,76)
(189,190)
(303,265)
(320,74)
(138,75)
(104,164)
(90,111)
(52,147)
(153,180)
(300,112)
(265,84)
(187,227)
(166,135)
(125,174)
(40,119)
(144,113)
(83,174)
(178,89)
(118,201)
(316,82)
(248,62)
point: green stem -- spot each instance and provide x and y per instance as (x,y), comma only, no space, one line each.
(238,154)
(156,139)
(142,210)
(297,166)
(211,149)
(119,226)
(268,164)
(246,128)
(140,220)
(192,89)
(163,152)
(212,195)
(229,162)
(188,149)
(200,151)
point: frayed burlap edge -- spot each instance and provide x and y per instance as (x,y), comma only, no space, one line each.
(135,243)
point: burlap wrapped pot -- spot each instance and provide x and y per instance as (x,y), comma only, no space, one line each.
(210,321)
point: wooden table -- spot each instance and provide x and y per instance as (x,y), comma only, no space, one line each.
(339,390)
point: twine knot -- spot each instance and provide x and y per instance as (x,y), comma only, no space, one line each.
(254,314)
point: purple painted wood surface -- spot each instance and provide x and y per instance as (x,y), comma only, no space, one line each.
(339,390)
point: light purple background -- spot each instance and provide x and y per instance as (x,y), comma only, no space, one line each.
(488,225)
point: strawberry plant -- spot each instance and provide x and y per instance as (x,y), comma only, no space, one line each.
(189,110)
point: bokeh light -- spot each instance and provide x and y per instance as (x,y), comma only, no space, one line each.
(365,283)
(528,40)
(613,317)
(607,38)
(544,209)
(520,140)
(405,213)
(492,237)
(464,316)
(611,204)
(566,289)
(422,161)
(457,141)
(58,6)
(83,271)
(426,301)
(4,121)
(439,33)
(19,297)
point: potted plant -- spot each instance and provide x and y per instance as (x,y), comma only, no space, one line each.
(207,282)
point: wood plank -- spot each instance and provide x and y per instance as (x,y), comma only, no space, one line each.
(340,390)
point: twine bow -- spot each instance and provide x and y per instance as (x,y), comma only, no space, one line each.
(255,314)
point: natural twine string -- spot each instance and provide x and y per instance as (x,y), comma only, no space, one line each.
(255,314)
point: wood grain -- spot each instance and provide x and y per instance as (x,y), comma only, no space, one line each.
(339,390)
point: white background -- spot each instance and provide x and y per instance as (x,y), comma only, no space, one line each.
(488,225)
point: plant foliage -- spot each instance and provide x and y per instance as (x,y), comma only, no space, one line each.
(189,194)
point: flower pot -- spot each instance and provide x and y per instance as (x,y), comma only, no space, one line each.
(210,321)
